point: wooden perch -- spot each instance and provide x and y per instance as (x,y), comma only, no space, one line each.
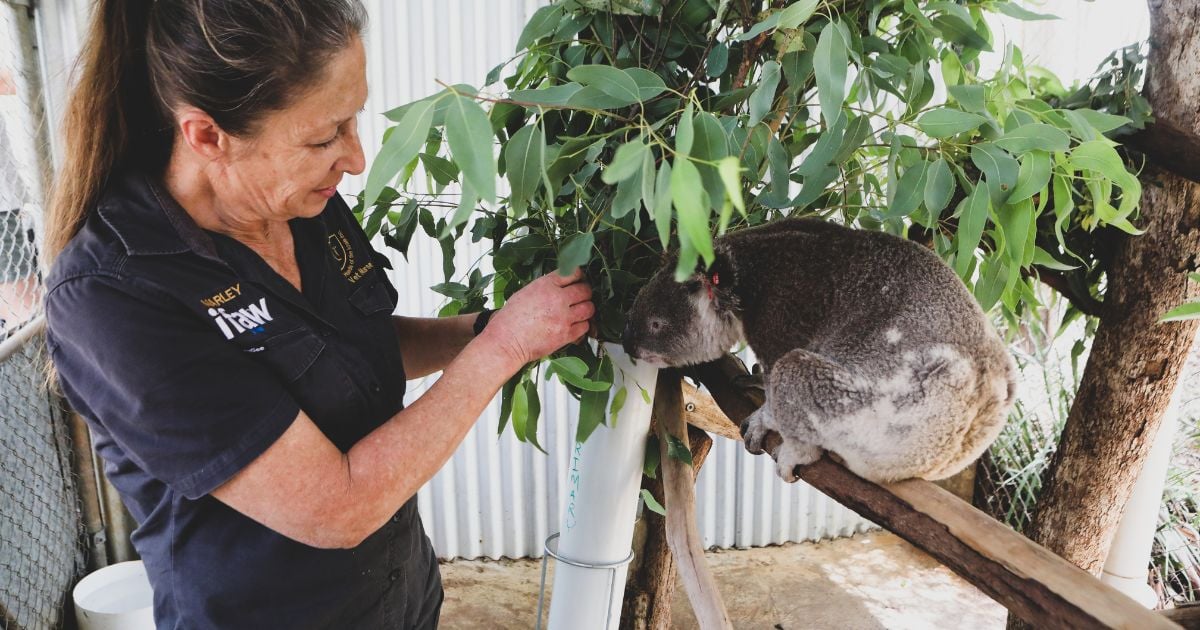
(679,484)
(1030,581)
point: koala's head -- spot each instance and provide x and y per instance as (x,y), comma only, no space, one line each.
(684,323)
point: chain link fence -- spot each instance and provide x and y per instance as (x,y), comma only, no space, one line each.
(41,530)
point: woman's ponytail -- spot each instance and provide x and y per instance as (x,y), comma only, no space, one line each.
(111,119)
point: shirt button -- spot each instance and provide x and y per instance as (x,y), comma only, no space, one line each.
(375,388)
(394,575)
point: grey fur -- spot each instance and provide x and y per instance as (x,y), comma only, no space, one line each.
(871,347)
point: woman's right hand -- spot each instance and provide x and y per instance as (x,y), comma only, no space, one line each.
(542,317)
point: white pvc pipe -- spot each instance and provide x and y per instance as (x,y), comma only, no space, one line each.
(1126,568)
(602,498)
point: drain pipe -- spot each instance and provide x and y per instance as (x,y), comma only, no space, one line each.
(1127,566)
(603,489)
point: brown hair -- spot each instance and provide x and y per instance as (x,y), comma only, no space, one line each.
(236,60)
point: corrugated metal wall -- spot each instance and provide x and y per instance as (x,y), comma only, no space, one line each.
(498,497)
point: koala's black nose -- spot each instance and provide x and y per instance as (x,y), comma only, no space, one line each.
(627,340)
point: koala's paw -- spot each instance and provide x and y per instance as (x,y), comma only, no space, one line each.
(755,431)
(793,453)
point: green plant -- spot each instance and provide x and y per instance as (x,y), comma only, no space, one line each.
(626,128)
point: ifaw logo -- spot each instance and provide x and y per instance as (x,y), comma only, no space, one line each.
(249,319)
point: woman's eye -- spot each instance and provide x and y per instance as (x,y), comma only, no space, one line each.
(328,143)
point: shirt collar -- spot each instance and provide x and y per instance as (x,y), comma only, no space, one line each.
(149,221)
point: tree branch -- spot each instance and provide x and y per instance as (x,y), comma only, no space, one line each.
(1086,304)
(1170,146)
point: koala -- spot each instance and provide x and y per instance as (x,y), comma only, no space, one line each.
(871,347)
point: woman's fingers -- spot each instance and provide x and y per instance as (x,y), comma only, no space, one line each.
(579,331)
(578,293)
(572,278)
(582,312)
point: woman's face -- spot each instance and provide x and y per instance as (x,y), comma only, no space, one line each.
(293,165)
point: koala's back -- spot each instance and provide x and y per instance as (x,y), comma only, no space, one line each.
(917,382)
(849,294)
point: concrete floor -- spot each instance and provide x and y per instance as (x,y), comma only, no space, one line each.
(869,581)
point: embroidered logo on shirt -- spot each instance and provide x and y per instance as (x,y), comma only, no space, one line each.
(343,254)
(224,296)
(250,319)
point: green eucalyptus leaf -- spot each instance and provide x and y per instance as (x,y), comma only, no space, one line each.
(533,412)
(710,142)
(1188,311)
(685,133)
(612,81)
(652,504)
(554,96)
(470,137)
(543,22)
(830,62)
(592,97)
(401,147)
(520,410)
(648,83)
(945,122)
(662,204)
(651,461)
(764,96)
(692,210)
(466,205)
(1099,156)
(772,21)
(524,159)
(575,252)
(1015,10)
(958,27)
(999,169)
(717,61)
(677,450)
(627,159)
(617,404)
(730,171)
(939,188)
(993,276)
(797,13)
(1102,122)
(649,172)
(972,98)
(1014,221)
(1034,137)
(1032,177)
(973,215)
(628,196)
(909,191)
(1042,258)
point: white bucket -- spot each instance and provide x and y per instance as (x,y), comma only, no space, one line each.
(117,597)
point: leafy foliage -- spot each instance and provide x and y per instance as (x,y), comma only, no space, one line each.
(627,128)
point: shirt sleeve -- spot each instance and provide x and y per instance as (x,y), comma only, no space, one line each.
(187,407)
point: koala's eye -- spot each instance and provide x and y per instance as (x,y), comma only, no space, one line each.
(656,325)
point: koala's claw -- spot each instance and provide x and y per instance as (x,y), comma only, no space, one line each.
(754,433)
(792,454)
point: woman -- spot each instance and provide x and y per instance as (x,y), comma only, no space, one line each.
(221,321)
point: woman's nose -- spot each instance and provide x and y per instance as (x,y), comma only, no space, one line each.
(353,162)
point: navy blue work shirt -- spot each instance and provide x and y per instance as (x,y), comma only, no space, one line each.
(189,356)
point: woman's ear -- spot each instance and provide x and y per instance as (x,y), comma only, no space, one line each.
(202,134)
